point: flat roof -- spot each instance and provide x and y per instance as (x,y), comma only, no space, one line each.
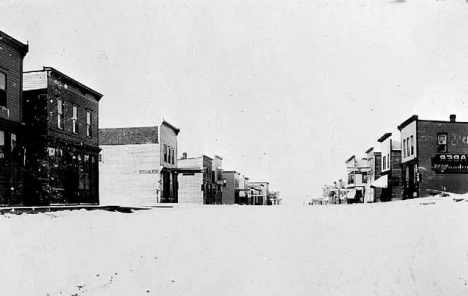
(69,79)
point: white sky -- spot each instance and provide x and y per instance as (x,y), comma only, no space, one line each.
(285,91)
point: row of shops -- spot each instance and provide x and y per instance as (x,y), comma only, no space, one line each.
(426,157)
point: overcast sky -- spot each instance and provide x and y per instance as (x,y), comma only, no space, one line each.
(285,91)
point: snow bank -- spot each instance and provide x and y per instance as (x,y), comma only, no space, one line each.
(401,248)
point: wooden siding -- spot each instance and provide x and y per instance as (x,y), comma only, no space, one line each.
(191,163)
(11,64)
(190,188)
(125,177)
(169,138)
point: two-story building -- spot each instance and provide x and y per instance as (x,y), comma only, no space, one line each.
(218,178)
(372,193)
(138,165)
(263,198)
(244,191)
(390,180)
(230,189)
(196,180)
(12,53)
(434,156)
(61,138)
(358,170)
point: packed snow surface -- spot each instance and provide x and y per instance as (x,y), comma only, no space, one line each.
(399,248)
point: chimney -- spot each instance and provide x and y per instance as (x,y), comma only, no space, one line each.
(184,155)
(453,117)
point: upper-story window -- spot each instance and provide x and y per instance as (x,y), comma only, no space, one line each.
(351,179)
(388,161)
(75,119)
(165,153)
(384,163)
(404,150)
(173,156)
(412,145)
(407,147)
(3,96)
(60,113)
(88,123)
(441,142)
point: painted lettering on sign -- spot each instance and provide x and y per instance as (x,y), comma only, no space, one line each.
(143,172)
(458,139)
(450,164)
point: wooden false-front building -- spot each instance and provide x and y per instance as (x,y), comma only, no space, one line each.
(12,53)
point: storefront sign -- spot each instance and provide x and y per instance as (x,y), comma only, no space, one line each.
(144,172)
(450,164)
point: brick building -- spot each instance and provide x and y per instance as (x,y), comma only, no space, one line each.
(390,180)
(230,189)
(138,165)
(196,184)
(62,141)
(12,53)
(374,163)
(434,156)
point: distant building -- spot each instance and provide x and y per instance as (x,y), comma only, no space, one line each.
(358,170)
(434,156)
(230,189)
(138,166)
(244,192)
(374,163)
(196,180)
(390,180)
(261,199)
(12,53)
(218,178)
(61,118)
(254,194)
(275,197)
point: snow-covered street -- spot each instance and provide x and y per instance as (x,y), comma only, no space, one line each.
(400,248)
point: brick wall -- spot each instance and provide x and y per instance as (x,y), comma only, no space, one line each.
(124,176)
(396,180)
(11,64)
(85,101)
(457,143)
(229,191)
